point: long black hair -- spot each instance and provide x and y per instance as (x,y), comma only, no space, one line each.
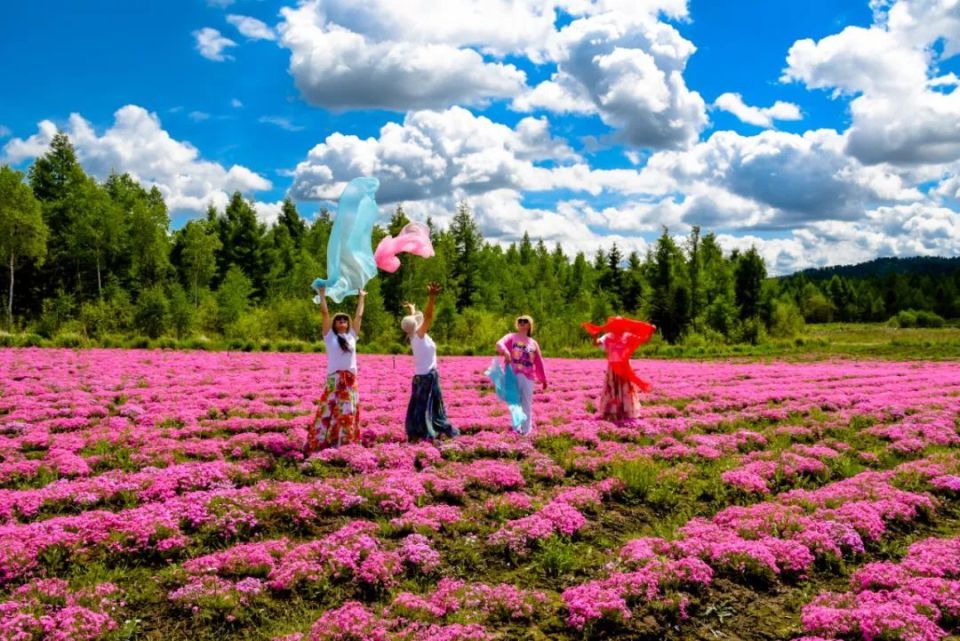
(341,339)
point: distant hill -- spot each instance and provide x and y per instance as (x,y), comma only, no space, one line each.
(928,265)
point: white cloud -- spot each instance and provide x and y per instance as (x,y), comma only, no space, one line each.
(223,4)
(4,131)
(236,104)
(279,121)
(495,27)
(759,116)
(211,44)
(137,143)
(251,27)
(615,59)
(857,60)
(430,154)
(560,94)
(17,150)
(918,229)
(336,67)
(268,213)
(630,66)
(198,116)
(902,113)
(455,152)
(792,180)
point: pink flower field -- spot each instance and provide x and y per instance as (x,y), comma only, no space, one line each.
(165,495)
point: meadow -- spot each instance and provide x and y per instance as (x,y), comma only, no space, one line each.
(160,494)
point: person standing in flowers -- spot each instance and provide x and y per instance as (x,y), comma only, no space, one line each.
(521,352)
(619,338)
(337,421)
(426,414)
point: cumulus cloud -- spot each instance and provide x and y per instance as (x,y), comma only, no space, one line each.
(616,59)
(4,131)
(268,213)
(759,116)
(210,43)
(629,65)
(902,113)
(792,179)
(136,143)
(369,62)
(433,154)
(251,27)
(919,229)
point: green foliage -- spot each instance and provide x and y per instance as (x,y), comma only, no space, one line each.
(181,313)
(23,234)
(749,274)
(913,318)
(152,312)
(786,321)
(233,296)
(228,276)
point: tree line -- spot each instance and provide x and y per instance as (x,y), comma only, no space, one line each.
(98,259)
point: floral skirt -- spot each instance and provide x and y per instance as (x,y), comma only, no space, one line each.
(620,399)
(426,413)
(337,421)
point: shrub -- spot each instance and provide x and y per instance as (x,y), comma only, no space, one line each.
(152,312)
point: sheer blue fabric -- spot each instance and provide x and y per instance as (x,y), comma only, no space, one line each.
(505,383)
(350,262)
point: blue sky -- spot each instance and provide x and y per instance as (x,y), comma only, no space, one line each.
(583,123)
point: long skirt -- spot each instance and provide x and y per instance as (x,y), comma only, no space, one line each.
(620,399)
(525,386)
(337,421)
(426,414)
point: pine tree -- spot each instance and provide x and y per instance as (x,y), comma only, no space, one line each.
(749,275)
(467,242)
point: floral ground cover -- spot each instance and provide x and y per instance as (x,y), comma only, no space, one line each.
(164,495)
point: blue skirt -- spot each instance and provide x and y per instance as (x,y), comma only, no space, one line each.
(426,414)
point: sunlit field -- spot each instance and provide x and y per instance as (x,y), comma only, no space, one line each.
(164,495)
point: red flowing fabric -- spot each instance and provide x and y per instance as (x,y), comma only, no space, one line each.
(625,336)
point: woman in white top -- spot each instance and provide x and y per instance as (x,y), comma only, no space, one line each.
(426,414)
(337,421)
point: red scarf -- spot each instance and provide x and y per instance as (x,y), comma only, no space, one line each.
(633,333)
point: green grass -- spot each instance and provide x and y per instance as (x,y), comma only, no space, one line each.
(828,340)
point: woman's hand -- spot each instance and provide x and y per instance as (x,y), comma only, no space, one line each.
(434,288)
(362,294)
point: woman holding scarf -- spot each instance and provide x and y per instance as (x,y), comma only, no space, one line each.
(619,338)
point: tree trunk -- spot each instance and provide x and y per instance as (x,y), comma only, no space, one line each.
(10,296)
(99,287)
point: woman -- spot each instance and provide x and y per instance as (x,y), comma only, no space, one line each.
(521,352)
(426,414)
(338,415)
(621,389)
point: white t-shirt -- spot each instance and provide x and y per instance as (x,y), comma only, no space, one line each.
(337,359)
(424,354)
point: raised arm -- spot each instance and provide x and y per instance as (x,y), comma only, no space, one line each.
(325,312)
(432,290)
(358,317)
